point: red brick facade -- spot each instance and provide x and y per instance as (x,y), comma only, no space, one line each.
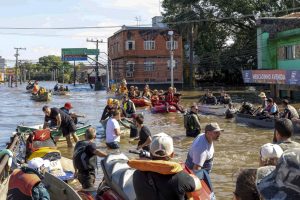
(140,55)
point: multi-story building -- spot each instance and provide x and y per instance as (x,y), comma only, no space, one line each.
(278,56)
(141,55)
(2,69)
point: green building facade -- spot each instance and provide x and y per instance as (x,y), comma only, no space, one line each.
(278,48)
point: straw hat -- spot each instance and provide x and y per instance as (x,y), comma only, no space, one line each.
(262,95)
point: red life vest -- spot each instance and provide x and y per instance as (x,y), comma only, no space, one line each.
(21,184)
(170,97)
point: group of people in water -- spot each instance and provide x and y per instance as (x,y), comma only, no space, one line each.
(161,177)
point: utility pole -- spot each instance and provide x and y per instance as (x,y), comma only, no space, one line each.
(97,78)
(109,64)
(17,60)
(171,33)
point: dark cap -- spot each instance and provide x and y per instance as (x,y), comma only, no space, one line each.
(283,182)
(213,127)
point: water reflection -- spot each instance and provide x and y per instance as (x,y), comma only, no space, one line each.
(237,148)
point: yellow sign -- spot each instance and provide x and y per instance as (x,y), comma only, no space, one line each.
(9,71)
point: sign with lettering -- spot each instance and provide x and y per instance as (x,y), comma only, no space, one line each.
(77,54)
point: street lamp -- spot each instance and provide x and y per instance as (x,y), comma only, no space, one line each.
(171,33)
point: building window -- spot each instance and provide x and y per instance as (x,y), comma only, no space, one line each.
(130,66)
(130,45)
(175,64)
(149,66)
(175,45)
(129,74)
(289,52)
(149,45)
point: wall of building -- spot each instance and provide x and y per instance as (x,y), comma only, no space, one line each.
(160,55)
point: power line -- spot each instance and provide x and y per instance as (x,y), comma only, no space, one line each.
(169,22)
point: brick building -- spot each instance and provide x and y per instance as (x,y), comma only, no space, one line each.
(141,55)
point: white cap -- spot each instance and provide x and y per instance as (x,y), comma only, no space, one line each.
(36,163)
(270,150)
(161,145)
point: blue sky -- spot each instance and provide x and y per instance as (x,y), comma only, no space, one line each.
(65,13)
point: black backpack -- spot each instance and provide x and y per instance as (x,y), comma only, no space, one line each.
(81,160)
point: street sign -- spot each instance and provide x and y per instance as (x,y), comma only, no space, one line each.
(9,71)
(77,54)
(74,58)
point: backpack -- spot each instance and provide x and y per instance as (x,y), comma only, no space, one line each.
(81,160)
(188,120)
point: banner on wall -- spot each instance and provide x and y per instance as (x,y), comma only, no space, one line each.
(290,77)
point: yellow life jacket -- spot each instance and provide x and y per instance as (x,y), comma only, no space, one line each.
(158,166)
(42,152)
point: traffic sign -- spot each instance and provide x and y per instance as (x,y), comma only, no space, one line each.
(77,54)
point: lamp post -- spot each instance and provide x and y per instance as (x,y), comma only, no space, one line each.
(171,33)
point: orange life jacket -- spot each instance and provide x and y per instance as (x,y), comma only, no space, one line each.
(35,89)
(21,184)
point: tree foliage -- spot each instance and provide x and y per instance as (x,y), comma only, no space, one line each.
(224,32)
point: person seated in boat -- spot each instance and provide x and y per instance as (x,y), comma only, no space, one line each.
(26,182)
(161,178)
(284,130)
(146,92)
(67,107)
(144,133)
(123,88)
(271,109)
(131,92)
(36,88)
(269,154)
(128,107)
(192,122)
(155,98)
(169,100)
(137,92)
(290,111)
(210,99)
(55,87)
(61,88)
(231,110)
(42,91)
(161,95)
(224,98)
(247,108)
(85,159)
(245,187)
(264,100)
(112,131)
(63,121)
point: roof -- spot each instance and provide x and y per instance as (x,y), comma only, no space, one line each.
(126,28)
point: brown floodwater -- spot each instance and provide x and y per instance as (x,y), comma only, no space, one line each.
(237,148)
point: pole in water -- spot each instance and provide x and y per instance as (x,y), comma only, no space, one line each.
(74,73)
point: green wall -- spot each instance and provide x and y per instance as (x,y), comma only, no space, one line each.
(268,50)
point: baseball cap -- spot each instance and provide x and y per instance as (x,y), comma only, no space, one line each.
(284,181)
(270,150)
(262,94)
(161,145)
(36,163)
(68,105)
(213,127)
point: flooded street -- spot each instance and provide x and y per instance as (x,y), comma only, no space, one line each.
(237,148)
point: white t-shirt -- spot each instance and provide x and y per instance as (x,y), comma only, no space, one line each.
(201,150)
(111,136)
